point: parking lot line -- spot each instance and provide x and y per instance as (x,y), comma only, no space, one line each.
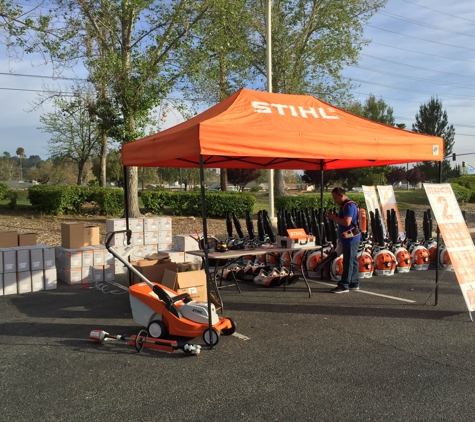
(368,293)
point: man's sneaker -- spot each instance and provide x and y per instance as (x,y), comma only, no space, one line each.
(338,289)
(355,288)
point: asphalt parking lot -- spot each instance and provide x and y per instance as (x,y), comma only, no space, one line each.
(384,353)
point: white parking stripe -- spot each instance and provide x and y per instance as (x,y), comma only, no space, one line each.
(368,293)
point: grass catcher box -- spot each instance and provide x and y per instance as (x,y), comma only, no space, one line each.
(296,239)
(191,282)
(72,235)
(8,239)
(152,269)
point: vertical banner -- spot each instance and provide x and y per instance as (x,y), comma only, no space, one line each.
(388,202)
(456,237)
(372,203)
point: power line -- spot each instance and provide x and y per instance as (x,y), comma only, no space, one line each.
(438,11)
(36,90)
(43,77)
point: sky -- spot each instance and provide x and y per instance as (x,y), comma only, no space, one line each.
(418,49)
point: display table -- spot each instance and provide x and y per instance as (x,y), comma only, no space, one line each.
(231,257)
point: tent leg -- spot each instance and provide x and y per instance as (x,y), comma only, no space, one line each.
(126,206)
(206,249)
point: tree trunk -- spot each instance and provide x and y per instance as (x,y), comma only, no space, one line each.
(132,197)
(223,179)
(279,189)
(103,176)
(80,173)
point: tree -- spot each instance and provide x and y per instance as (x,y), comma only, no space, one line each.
(74,137)
(20,152)
(114,170)
(415,176)
(395,175)
(241,177)
(376,110)
(432,120)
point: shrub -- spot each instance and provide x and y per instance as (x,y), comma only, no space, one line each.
(314,201)
(462,194)
(3,191)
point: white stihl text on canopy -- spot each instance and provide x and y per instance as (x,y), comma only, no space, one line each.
(283,109)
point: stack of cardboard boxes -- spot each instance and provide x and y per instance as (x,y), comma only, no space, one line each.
(24,265)
(81,258)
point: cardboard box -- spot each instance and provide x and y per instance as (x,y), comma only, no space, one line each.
(26,239)
(99,256)
(22,258)
(9,284)
(49,256)
(8,239)
(36,259)
(86,274)
(115,224)
(24,282)
(193,258)
(152,270)
(149,250)
(183,243)
(165,236)
(165,246)
(51,280)
(98,273)
(150,224)
(176,256)
(136,224)
(72,235)
(91,236)
(87,257)
(37,280)
(164,223)
(70,275)
(9,260)
(188,266)
(150,238)
(191,282)
(296,238)
(109,272)
(68,258)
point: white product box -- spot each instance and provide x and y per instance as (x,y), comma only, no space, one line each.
(150,224)
(71,275)
(109,258)
(1,284)
(149,250)
(165,236)
(51,280)
(119,267)
(115,224)
(165,246)
(137,238)
(24,282)
(68,258)
(136,224)
(193,258)
(138,253)
(98,273)
(99,255)
(49,256)
(176,256)
(118,239)
(87,274)
(9,260)
(9,284)
(87,257)
(164,223)
(36,259)
(109,272)
(151,238)
(183,242)
(37,280)
(22,258)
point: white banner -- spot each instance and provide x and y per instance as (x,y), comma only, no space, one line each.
(456,237)
(372,204)
(388,202)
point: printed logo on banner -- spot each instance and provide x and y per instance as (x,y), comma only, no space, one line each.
(388,202)
(372,204)
(456,237)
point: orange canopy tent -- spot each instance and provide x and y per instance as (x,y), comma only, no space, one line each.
(253,129)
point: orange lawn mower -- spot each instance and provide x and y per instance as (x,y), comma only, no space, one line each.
(163,311)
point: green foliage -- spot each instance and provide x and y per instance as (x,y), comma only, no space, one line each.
(376,110)
(3,190)
(314,201)
(58,200)
(467,182)
(189,203)
(13,197)
(462,194)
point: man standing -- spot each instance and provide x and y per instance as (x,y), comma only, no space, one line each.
(349,237)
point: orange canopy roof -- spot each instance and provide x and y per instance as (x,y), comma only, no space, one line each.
(252,129)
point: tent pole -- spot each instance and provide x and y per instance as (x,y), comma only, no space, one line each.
(126,203)
(322,226)
(437,259)
(205,250)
